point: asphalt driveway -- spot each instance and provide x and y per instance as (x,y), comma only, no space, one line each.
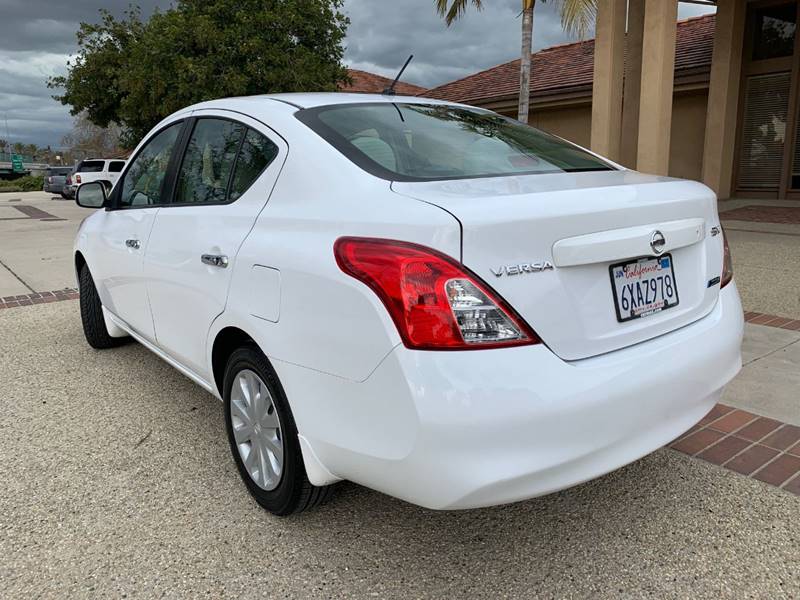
(117,480)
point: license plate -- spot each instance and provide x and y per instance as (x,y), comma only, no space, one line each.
(643,287)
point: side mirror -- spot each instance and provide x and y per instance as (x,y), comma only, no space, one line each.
(92,194)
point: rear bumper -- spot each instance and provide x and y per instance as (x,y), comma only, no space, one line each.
(451,430)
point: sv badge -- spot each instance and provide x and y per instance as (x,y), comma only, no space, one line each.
(523,268)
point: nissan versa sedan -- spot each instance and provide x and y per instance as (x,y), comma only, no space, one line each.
(425,298)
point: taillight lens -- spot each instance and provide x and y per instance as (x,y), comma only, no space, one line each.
(436,303)
(727,264)
(77,178)
(69,179)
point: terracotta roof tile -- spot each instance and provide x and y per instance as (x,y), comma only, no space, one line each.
(370,83)
(568,66)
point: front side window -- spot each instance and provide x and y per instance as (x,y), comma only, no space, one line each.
(421,142)
(115,166)
(209,161)
(144,181)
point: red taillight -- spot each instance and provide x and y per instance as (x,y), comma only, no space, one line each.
(69,179)
(77,179)
(436,303)
(727,264)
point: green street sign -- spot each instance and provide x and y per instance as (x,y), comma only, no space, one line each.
(16,164)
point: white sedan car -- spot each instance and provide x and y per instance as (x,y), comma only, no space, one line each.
(425,298)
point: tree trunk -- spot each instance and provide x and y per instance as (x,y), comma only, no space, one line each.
(525,62)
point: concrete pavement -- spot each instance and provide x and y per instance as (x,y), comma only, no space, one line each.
(36,235)
(118,481)
(769,383)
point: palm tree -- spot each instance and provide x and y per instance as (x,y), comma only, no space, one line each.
(577,17)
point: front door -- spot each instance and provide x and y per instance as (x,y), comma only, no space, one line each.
(225,178)
(117,254)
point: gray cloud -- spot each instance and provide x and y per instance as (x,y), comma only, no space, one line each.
(37,37)
(383,34)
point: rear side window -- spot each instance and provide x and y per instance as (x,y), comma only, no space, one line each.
(116,166)
(91,166)
(256,154)
(209,162)
(428,142)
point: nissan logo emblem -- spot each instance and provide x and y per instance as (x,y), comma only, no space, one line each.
(657,242)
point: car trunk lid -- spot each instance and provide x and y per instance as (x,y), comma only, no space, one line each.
(547,244)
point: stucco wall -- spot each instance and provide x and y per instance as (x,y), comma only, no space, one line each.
(687,137)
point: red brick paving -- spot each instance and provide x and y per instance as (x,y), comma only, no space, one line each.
(732,421)
(772,321)
(752,459)
(780,470)
(723,451)
(759,447)
(758,429)
(38,298)
(764,214)
(783,438)
(697,441)
(793,485)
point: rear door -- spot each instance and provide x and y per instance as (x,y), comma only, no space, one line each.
(116,250)
(225,177)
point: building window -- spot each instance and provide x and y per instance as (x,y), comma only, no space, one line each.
(774,32)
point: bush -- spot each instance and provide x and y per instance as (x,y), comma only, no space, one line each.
(29,183)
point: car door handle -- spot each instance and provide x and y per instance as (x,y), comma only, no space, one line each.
(135,244)
(215,260)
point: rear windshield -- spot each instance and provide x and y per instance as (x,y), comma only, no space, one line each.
(91,166)
(427,142)
(59,171)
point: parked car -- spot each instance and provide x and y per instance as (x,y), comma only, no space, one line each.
(55,178)
(93,169)
(428,299)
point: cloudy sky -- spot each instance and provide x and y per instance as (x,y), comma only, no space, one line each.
(38,36)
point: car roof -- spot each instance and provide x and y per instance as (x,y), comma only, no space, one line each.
(302,100)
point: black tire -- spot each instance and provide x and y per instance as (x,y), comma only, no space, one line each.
(294,493)
(94,325)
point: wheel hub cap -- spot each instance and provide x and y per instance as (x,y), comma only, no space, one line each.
(257,430)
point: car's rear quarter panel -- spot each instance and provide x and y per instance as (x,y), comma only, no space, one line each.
(328,321)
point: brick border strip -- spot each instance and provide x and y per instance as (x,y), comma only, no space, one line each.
(754,446)
(38,298)
(772,321)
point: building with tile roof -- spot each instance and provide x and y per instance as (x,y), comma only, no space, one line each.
(713,98)
(363,82)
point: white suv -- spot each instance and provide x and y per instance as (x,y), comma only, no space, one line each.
(425,298)
(93,169)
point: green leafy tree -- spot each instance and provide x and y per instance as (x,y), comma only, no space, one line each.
(576,16)
(134,73)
